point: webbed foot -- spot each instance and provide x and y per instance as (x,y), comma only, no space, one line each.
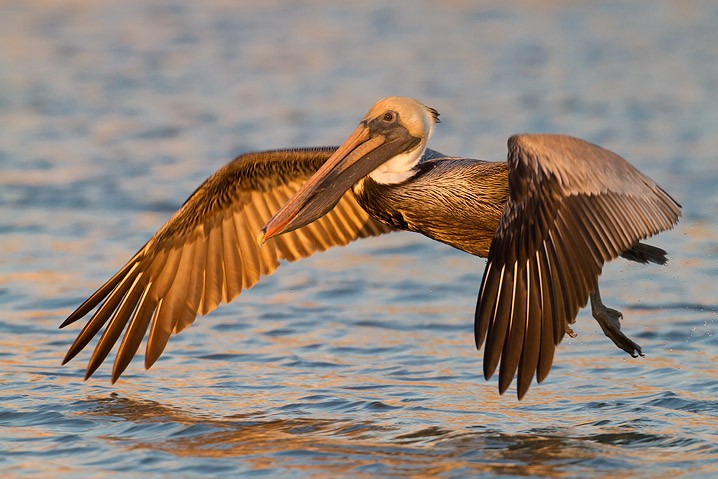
(609,320)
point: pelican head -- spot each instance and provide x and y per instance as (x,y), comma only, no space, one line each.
(386,146)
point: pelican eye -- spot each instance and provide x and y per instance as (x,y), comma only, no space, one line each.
(389,116)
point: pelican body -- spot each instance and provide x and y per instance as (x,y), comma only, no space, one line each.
(547,219)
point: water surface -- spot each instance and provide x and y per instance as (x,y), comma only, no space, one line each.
(358,362)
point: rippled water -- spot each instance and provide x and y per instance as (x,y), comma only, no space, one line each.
(358,362)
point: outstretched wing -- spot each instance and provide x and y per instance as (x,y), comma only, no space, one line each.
(572,206)
(207,253)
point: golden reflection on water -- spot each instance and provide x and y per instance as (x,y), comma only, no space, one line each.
(460,426)
(348,448)
(340,447)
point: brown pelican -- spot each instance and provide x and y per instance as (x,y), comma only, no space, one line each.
(547,220)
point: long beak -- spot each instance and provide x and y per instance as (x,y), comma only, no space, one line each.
(360,154)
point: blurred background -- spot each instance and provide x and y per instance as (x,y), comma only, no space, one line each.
(359,361)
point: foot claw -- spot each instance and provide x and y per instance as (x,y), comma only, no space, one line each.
(609,320)
(614,313)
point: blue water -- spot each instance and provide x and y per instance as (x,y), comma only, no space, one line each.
(358,362)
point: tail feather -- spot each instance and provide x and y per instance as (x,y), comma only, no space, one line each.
(645,253)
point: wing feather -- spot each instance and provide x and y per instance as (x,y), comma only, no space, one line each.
(513,346)
(572,206)
(116,324)
(213,274)
(195,285)
(207,254)
(550,316)
(172,305)
(532,337)
(232,264)
(135,332)
(104,312)
(264,206)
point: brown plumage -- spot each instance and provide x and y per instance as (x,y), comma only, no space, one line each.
(207,253)
(457,201)
(548,219)
(572,207)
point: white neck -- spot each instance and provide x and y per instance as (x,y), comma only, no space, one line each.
(399,168)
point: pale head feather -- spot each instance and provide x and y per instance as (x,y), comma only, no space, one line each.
(419,120)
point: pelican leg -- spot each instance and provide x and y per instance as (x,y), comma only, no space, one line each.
(609,320)
(569,332)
